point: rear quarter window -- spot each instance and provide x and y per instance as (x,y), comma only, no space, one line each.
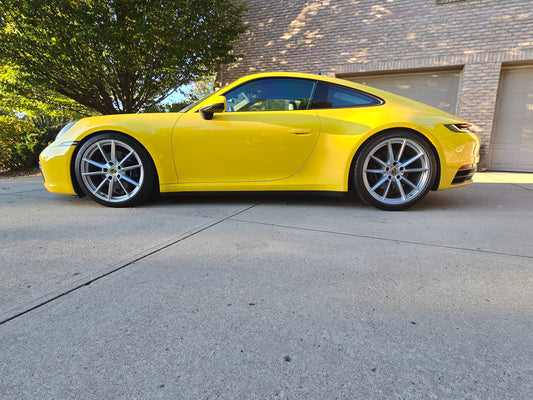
(333,96)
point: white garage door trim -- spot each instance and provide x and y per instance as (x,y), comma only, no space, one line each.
(511,145)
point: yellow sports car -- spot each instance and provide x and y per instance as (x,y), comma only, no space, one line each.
(272,131)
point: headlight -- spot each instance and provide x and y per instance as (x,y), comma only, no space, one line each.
(64,129)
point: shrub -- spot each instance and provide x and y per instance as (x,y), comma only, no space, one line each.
(12,132)
(32,145)
(21,142)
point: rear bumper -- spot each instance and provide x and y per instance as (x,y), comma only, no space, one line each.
(465,175)
(458,158)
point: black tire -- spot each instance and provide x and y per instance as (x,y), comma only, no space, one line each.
(394,170)
(115,170)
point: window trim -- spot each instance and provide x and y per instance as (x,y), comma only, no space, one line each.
(379,100)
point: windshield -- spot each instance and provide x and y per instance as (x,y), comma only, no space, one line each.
(187,108)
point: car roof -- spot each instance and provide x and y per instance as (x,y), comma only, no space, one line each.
(324,78)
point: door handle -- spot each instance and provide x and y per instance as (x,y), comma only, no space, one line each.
(300,131)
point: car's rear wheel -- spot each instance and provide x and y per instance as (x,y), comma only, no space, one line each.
(114,170)
(395,170)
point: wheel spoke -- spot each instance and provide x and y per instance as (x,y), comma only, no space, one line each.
(378,160)
(390,152)
(416,170)
(410,184)
(400,152)
(375,171)
(400,188)
(113,151)
(100,186)
(93,173)
(103,153)
(387,190)
(131,167)
(110,189)
(94,163)
(411,160)
(128,179)
(380,182)
(125,158)
(123,188)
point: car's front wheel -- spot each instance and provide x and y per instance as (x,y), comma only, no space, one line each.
(114,170)
(394,170)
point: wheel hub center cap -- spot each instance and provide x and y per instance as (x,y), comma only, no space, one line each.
(394,170)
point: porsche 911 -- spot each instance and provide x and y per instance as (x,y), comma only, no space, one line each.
(269,132)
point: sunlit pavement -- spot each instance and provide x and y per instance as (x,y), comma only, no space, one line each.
(268,296)
(504,177)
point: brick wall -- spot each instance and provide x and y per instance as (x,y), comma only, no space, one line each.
(350,37)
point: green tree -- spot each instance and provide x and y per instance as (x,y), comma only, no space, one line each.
(30,119)
(16,95)
(117,56)
(192,93)
(200,89)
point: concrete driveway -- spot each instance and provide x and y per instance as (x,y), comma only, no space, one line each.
(267,296)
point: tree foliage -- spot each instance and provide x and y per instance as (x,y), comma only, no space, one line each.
(200,89)
(116,56)
(16,95)
(30,119)
(189,94)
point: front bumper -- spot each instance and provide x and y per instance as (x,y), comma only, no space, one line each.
(55,162)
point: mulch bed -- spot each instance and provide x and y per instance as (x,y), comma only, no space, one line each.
(19,173)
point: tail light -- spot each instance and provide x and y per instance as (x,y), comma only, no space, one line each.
(463,127)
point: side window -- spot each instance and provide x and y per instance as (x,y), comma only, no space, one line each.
(332,96)
(271,94)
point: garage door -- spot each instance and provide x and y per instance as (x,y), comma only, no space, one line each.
(438,89)
(512,137)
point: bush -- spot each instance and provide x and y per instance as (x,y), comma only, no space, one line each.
(32,145)
(21,142)
(12,132)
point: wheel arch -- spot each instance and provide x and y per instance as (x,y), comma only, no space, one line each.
(73,178)
(351,179)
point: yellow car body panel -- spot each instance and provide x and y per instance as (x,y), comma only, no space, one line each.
(56,171)
(266,150)
(244,147)
(153,131)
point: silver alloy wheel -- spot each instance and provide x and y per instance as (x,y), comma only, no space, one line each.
(396,171)
(111,170)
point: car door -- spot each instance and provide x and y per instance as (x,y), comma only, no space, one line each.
(266,133)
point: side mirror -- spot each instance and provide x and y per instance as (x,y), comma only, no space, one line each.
(216,105)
